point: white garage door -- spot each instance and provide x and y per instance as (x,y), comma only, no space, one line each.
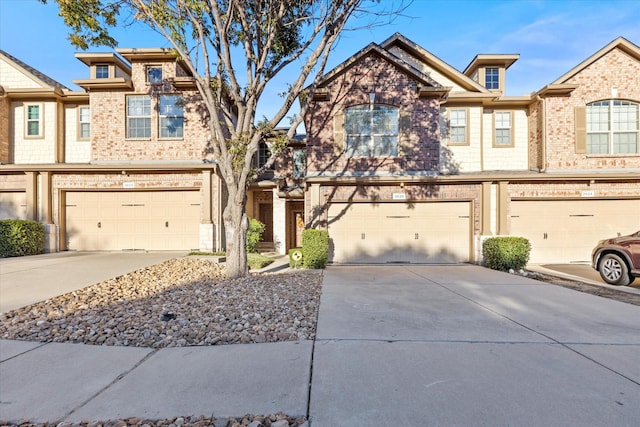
(400,232)
(154,220)
(567,230)
(13,205)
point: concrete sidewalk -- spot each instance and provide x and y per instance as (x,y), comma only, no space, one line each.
(396,345)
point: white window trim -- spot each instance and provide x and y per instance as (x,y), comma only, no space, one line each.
(611,131)
(128,116)
(40,120)
(80,122)
(466,127)
(511,143)
(162,116)
(348,148)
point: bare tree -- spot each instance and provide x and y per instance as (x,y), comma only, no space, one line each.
(233,48)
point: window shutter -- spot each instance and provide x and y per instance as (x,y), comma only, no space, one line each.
(338,133)
(404,128)
(581,129)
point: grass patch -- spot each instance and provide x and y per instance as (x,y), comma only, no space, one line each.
(257,261)
(199,253)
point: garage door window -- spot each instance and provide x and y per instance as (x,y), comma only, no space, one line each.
(612,127)
(371,131)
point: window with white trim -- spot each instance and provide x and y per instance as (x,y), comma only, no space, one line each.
(171,116)
(102,71)
(503,128)
(138,116)
(492,78)
(458,127)
(613,127)
(371,131)
(33,120)
(84,123)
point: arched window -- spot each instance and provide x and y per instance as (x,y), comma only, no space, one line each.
(371,131)
(613,127)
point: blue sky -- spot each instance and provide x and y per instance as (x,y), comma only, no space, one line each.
(551,36)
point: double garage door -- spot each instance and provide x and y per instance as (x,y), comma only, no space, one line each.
(436,232)
(567,230)
(133,220)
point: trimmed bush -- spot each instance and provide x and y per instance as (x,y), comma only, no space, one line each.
(506,253)
(21,237)
(295,257)
(315,248)
(254,234)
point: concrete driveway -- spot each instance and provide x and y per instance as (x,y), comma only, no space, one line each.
(582,272)
(464,345)
(30,279)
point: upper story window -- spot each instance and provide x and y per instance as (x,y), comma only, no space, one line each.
(371,131)
(492,78)
(458,127)
(138,116)
(154,74)
(503,137)
(33,120)
(84,123)
(299,163)
(613,127)
(102,71)
(263,154)
(171,116)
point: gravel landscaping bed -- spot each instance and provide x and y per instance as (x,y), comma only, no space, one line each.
(180,302)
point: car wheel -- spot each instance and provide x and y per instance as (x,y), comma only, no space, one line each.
(614,270)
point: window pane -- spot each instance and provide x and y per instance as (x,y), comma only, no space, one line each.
(503,137)
(625,143)
(503,120)
(33,112)
(171,117)
(85,114)
(139,105)
(598,143)
(84,130)
(139,128)
(458,118)
(154,74)
(299,163)
(625,116)
(102,71)
(597,117)
(458,134)
(33,128)
(492,78)
(358,146)
(372,130)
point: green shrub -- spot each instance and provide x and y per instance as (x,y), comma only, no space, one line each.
(315,248)
(21,237)
(257,261)
(295,257)
(505,253)
(254,234)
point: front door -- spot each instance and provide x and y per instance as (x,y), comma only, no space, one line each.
(265,216)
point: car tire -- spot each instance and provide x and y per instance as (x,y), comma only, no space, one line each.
(614,270)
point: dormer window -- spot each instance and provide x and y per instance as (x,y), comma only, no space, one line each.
(102,71)
(492,78)
(154,74)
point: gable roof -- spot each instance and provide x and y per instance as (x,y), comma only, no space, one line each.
(433,61)
(41,78)
(619,43)
(373,48)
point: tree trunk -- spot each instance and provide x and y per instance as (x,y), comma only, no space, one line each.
(236,225)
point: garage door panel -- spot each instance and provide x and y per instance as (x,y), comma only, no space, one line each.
(567,230)
(156,220)
(399,232)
